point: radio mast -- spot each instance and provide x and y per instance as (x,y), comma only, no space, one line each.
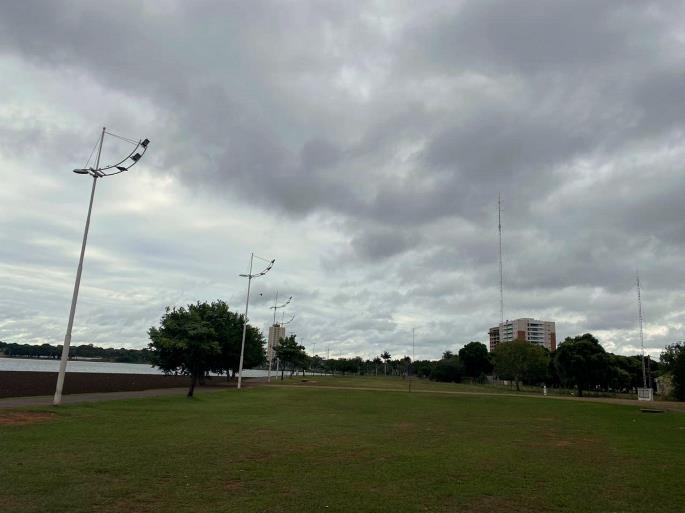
(501,285)
(642,338)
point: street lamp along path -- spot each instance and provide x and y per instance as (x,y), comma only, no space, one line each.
(271,345)
(139,149)
(249,277)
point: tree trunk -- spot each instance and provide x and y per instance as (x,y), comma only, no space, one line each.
(282,373)
(193,382)
(518,389)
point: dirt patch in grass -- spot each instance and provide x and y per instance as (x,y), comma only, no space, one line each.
(489,504)
(233,485)
(18,418)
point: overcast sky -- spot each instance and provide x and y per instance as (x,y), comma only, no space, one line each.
(360,144)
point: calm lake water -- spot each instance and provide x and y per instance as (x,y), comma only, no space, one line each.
(42,365)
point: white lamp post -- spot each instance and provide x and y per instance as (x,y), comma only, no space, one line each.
(249,277)
(271,349)
(96,172)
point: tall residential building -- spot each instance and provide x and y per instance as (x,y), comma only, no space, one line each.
(276,333)
(542,333)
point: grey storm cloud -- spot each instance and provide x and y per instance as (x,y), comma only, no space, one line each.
(392,128)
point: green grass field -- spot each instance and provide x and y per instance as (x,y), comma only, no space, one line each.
(398,383)
(290,449)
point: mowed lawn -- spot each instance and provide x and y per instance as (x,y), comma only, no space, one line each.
(398,383)
(291,449)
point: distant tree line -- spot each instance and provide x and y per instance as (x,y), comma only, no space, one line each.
(48,351)
(579,363)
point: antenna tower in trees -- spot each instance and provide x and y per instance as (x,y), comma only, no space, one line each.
(501,284)
(642,337)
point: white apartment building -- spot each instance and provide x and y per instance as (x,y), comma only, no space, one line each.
(542,333)
(276,333)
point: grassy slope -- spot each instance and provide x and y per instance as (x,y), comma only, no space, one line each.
(301,450)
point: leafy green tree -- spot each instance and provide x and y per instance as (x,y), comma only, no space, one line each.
(186,342)
(386,356)
(423,368)
(678,373)
(229,328)
(290,354)
(376,362)
(316,363)
(670,354)
(448,370)
(447,355)
(581,362)
(404,365)
(520,361)
(623,372)
(476,359)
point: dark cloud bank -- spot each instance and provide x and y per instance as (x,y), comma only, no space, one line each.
(399,126)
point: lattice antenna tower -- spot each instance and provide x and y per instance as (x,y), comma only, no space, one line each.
(501,281)
(642,337)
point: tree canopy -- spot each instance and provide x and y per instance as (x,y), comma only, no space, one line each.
(520,361)
(448,370)
(202,338)
(675,364)
(581,362)
(291,354)
(476,359)
(670,354)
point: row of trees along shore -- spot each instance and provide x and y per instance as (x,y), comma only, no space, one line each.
(85,351)
(204,338)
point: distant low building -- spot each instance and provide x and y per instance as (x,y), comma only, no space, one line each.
(276,333)
(542,333)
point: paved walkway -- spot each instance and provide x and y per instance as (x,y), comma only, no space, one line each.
(660,405)
(46,400)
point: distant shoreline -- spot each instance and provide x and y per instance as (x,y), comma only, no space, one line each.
(71,358)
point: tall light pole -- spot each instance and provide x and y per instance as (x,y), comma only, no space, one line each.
(277,307)
(96,172)
(272,342)
(249,277)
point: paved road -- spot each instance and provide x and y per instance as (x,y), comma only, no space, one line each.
(46,400)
